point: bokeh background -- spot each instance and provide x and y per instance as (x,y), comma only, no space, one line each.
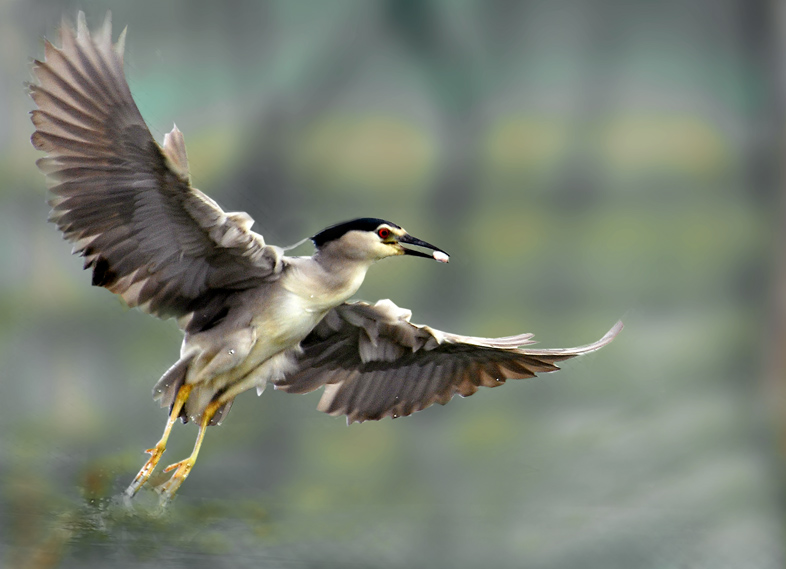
(581,160)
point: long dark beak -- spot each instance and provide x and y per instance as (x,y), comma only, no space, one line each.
(438,254)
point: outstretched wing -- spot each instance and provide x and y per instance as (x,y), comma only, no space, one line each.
(124,201)
(374,363)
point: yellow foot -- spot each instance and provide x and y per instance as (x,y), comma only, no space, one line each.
(166,491)
(142,476)
(156,452)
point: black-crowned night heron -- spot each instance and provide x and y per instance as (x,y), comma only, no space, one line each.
(250,314)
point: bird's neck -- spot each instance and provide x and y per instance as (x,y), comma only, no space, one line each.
(326,280)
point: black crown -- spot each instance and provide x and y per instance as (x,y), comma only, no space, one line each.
(337,231)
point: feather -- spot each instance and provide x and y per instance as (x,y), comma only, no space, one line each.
(125,202)
(391,367)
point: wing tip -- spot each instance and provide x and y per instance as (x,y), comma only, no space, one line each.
(612,333)
(120,44)
(174,148)
(607,338)
(82,31)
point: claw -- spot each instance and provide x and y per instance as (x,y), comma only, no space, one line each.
(146,470)
(166,491)
(184,465)
(158,450)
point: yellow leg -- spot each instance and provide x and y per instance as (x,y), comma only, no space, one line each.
(167,490)
(156,452)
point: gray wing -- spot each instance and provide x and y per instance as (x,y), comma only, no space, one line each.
(375,363)
(124,201)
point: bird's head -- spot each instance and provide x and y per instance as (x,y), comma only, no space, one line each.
(372,239)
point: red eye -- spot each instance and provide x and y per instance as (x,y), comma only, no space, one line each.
(383,232)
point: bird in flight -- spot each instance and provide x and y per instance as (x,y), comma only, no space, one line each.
(250,314)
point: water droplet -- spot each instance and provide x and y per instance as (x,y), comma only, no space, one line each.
(232,352)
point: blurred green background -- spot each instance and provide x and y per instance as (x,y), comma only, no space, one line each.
(581,161)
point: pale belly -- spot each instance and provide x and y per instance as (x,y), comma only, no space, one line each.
(253,355)
(277,330)
(284,323)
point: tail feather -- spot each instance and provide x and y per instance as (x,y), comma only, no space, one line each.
(221,413)
(166,388)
